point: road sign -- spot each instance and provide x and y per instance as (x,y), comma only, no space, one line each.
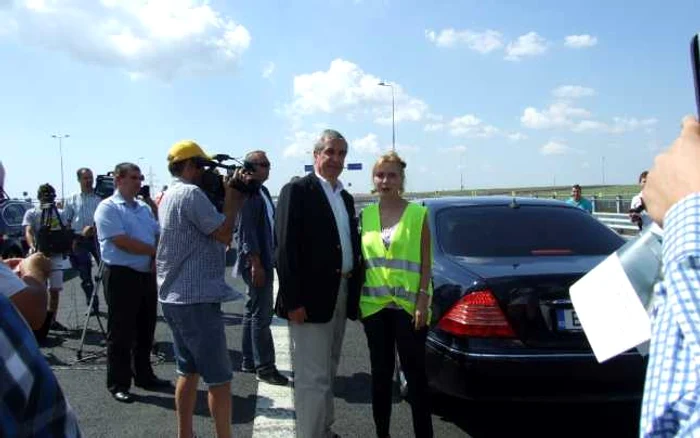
(354,166)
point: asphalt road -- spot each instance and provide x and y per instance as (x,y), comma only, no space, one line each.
(153,414)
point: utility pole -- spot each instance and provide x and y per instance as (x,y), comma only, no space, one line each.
(602,168)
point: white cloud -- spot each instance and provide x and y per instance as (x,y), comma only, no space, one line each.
(301,144)
(530,44)
(559,114)
(160,38)
(580,41)
(482,42)
(366,145)
(572,92)
(554,147)
(346,87)
(621,125)
(516,136)
(434,117)
(268,70)
(585,165)
(589,125)
(470,125)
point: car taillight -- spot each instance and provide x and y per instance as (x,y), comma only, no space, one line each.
(477,315)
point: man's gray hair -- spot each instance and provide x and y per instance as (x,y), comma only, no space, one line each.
(250,155)
(327,134)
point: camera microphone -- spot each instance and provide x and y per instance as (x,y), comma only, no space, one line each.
(221,157)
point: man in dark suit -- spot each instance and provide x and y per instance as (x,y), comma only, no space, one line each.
(319,269)
(255,262)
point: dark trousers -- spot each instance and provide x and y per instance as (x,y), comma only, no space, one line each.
(257,346)
(81,261)
(387,331)
(131,321)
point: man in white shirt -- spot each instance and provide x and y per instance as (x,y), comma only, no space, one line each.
(319,270)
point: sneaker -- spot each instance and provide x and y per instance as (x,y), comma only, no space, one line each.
(273,377)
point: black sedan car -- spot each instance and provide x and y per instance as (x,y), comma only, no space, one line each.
(503,324)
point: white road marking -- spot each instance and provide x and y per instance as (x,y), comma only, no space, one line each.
(274,410)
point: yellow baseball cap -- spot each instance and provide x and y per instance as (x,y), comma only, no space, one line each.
(185,149)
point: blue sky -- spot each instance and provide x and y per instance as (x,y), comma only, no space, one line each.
(500,93)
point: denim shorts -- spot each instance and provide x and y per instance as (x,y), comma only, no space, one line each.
(199,341)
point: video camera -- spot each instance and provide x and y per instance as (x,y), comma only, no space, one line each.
(212,182)
(104,185)
(53,236)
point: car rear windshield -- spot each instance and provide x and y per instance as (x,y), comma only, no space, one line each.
(503,231)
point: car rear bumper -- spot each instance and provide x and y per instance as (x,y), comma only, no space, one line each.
(575,377)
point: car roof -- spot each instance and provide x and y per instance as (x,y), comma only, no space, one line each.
(5,201)
(463,201)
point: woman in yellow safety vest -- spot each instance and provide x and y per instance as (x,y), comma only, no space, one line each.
(395,299)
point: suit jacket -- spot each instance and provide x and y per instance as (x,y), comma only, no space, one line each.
(309,256)
(253,233)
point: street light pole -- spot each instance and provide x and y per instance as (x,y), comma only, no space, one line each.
(60,138)
(393,115)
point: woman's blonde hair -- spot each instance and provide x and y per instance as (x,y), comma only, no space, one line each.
(391,157)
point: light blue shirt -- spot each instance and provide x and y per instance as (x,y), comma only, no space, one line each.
(79,210)
(583,204)
(115,217)
(671,405)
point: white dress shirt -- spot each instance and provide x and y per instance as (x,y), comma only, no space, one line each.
(341,220)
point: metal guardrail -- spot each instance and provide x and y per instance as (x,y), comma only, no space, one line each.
(619,222)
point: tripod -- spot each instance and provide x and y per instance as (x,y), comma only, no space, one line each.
(98,282)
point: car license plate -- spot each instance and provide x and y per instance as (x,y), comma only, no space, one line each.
(567,320)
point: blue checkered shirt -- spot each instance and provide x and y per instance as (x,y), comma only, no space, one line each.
(671,404)
(31,401)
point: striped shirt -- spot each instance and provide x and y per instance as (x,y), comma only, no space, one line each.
(671,405)
(79,210)
(190,263)
(32,403)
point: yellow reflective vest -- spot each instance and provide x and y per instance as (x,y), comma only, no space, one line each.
(392,275)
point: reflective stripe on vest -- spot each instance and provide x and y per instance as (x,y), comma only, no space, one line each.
(382,262)
(386,291)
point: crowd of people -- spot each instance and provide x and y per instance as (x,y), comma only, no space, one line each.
(332,263)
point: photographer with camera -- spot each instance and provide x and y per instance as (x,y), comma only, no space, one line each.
(128,234)
(191,280)
(46,232)
(80,215)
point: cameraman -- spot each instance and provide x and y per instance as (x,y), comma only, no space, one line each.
(191,264)
(47,215)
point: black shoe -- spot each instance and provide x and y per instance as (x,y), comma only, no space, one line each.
(123,396)
(245,369)
(273,377)
(57,326)
(153,383)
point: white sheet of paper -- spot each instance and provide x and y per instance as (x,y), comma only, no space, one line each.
(610,312)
